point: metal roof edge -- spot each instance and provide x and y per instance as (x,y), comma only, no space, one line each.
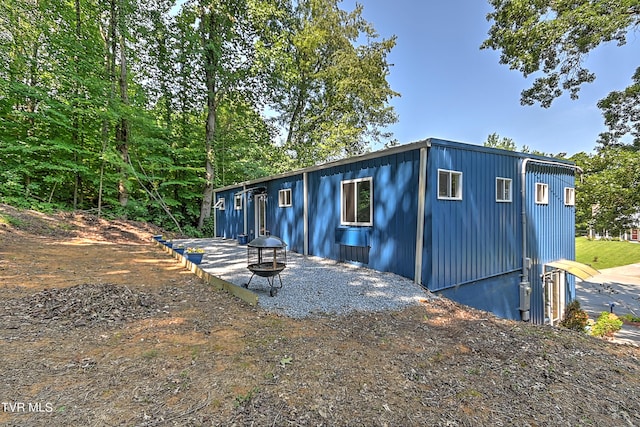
(361,157)
(502,151)
(428,142)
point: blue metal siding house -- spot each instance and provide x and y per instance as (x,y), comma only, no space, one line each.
(478,225)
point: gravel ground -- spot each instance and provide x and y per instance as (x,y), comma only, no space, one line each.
(311,285)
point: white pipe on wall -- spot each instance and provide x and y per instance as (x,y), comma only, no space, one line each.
(305,213)
(422,193)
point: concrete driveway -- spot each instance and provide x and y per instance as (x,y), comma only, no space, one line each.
(616,289)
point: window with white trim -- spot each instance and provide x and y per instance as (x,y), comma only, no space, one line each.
(237,202)
(284,198)
(569,196)
(542,193)
(356,204)
(219,204)
(449,185)
(503,189)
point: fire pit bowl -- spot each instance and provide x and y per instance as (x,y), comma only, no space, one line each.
(267,257)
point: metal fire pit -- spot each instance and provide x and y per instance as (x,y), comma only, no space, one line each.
(267,257)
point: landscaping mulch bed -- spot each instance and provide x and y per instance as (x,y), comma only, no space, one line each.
(99,327)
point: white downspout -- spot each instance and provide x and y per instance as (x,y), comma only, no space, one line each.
(525,286)
(305,213)
(244,208)
(422,186)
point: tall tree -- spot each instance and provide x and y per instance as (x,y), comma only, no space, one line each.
(334,91)
(621,111)
(122,10)
(554,38)
(228,37)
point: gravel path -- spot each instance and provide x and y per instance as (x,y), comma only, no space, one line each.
(311,285)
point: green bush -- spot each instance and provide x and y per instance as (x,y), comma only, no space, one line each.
(630,318)
(606,325)
(208,228)
(574,317)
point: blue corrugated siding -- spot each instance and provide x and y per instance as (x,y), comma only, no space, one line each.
(284,222)
(499,295)
(392,236)
(287,222)
(473,247)
(229,222)
(474,238)
(550,229)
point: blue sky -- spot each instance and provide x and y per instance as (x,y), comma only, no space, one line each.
(453,90)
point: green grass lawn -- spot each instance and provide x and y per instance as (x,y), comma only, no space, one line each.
(606,254)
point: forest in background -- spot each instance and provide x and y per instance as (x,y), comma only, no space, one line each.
(139,108)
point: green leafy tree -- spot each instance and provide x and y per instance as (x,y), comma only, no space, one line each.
(334,95)
(243,145)
(554,38)
(51,96)
(135,109)
(495,141)
(608,195)
(621,111)
(504,143)
(227,59)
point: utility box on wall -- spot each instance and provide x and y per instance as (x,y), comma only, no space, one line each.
(525,300)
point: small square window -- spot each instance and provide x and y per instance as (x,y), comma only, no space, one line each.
(449,185)
(284,198)
(219,204)
(569,196)
(237,202)
(542,193)
(503,189)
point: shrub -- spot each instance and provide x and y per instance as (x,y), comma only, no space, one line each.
(606,325)
(208,227)
(630,318)
(575,318)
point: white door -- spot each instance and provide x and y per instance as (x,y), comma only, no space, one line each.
(261,215)
(554,296)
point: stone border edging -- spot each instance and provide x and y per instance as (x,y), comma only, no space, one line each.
(244,294)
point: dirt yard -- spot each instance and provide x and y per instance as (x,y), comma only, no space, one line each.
(98,327)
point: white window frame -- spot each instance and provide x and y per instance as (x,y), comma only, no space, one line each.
(569,196)
(284,198)
(237,202)
(343,207)
(503,196)
(542,193)
(450,174)
(219,204)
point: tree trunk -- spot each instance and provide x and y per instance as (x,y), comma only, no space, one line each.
(109,37)
(211,63)
(75,132)
(122,128)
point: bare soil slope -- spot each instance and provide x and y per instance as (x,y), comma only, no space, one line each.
(98,327)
